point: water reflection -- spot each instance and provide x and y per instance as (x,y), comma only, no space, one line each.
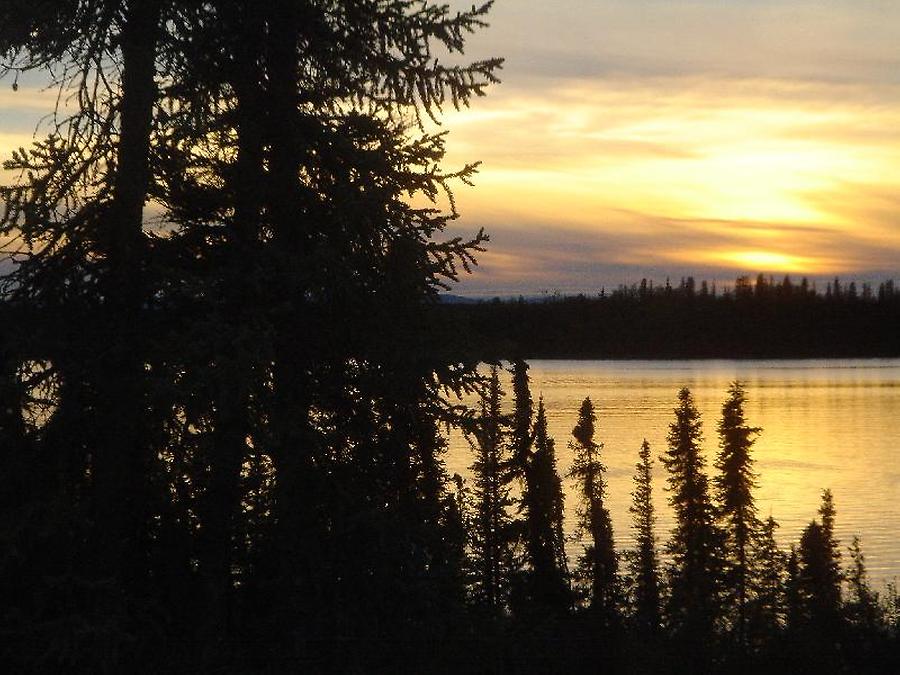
(826,423)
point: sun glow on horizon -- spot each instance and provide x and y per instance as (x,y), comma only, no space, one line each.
(770,261)
(738,175)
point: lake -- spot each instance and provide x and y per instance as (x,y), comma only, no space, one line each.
(825,424)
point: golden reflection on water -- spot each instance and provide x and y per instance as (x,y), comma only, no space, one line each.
(826,423)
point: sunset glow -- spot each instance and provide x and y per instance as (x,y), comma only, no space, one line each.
(690,148)
(662,139)
(768,260)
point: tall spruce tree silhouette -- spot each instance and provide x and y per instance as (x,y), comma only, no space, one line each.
(82,181)
(522,417)
(643,560)
(693,606)
(544,506)
(736,507)
(598,565)
(492,531)
(77,206)
(820,577)
(533,461)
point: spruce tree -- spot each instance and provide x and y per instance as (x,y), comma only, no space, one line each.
(598,565)
(543,501)
(863,608)
(644,564)
(74,202)
(693,607)
(523,411)
(492,555)
(251,344)
(766,609)
(820,575)
(736,507)
(533,461)
(827,514)
(820,592)
(77,204)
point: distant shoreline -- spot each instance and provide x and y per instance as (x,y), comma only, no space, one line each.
(768,321)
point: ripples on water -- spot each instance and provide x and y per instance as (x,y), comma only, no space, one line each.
(826,423)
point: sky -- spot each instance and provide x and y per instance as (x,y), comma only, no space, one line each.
(655,138)
(665,138)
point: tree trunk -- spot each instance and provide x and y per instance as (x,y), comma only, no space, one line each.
(233,348)
(299,495)
(122,457)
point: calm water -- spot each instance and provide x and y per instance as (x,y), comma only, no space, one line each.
(826,423)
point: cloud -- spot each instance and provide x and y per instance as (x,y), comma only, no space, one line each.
(689,173)
(530,257)
(825,40)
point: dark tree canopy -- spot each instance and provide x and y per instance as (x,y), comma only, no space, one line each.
(228,291)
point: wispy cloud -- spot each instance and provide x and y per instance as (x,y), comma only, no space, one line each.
(708,171)
(824,40)
(697,135)
(531,256)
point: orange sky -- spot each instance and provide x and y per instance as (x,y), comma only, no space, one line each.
(654,138)
(714,138)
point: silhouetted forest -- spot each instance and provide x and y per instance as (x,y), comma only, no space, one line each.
(226,382)
(761,318)
(718,596)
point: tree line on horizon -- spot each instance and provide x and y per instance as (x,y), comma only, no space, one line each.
(765,318)
(719,595)
(744,286)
